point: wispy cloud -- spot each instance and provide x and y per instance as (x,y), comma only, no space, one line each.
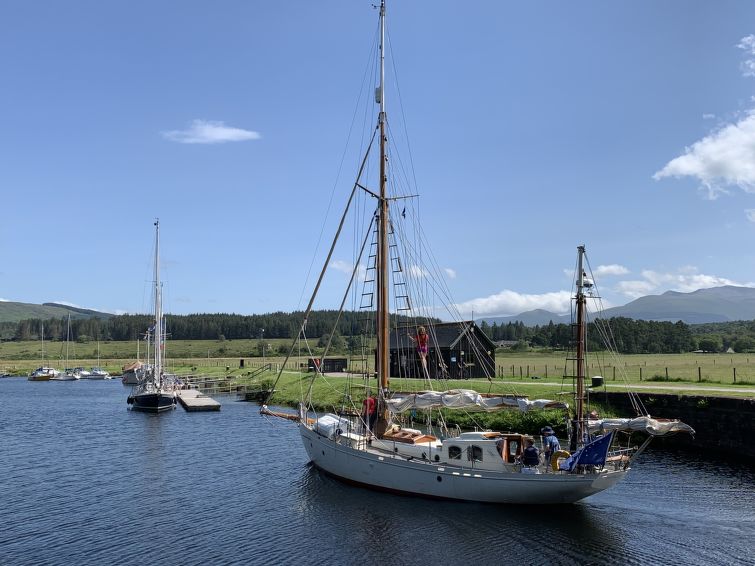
(347,268)
(708,116)
(510,302)
(750,213)
(685,280)
(4,300)
(612,269)
(209,132)
(722,159)
(417,272)
(747,44)
(450,273)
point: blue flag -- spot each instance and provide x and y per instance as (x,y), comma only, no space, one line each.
(593,454)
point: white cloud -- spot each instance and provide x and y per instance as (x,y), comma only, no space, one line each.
(708,116)
(208,131)
(417,272)
(747,44)
(750,213)
(451,273)
(613,269)
(724,158)
(685,279)
(510,302)
(4,300)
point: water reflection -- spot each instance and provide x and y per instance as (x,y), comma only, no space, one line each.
(456,530)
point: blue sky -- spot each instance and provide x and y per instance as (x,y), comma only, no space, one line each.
(534,127)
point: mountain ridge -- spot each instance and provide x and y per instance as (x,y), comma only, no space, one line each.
(715,304)
(12,311)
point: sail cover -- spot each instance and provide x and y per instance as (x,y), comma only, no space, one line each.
(653,427)
(466,399)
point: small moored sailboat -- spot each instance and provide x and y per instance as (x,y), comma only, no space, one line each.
(154,393)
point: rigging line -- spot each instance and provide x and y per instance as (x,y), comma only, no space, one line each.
(401,107)
(611,345)
(335,183)
(325,265)
(343,301)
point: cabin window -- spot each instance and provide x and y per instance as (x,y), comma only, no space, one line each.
(513,450)
(454,453)
(474,454)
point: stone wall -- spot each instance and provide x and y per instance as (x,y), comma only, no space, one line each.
(722,424)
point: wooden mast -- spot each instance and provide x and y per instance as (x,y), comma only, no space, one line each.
(579,394)
(383,322)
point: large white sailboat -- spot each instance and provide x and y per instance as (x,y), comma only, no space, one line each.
(155,393)
(484,466)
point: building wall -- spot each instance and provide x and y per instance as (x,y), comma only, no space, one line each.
(722,424)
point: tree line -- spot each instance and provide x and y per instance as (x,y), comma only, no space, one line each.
(629,336)
(193,326)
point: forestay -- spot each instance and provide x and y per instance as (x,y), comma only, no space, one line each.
(467,399)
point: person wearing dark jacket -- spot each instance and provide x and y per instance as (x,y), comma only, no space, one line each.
(531,455)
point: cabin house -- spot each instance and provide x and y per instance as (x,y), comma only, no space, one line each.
(456,350)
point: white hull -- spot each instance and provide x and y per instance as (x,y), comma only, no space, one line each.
(387,472)
(65,377)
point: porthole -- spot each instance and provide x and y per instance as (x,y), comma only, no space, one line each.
(439,478)
(323,452)
(437,458)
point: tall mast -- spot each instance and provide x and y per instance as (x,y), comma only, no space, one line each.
(579,395)
(383,324)
(158,310)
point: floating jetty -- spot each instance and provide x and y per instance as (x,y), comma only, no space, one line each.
(194,400)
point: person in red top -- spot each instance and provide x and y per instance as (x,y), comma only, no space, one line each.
(369,412)
(421,341)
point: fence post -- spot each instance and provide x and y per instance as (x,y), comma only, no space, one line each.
(614,373)
(666,374)
(640,373)
(735,374)
(699,374)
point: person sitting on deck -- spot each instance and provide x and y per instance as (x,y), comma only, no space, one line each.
(531,455)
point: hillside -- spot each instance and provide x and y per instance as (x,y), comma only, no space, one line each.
(13,312)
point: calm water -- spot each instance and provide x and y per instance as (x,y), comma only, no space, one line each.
(85,481)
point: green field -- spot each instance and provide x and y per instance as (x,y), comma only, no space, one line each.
(534,374)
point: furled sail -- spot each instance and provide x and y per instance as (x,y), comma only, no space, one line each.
(467,399)
(649,425)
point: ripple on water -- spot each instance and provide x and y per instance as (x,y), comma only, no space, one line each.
(88,482)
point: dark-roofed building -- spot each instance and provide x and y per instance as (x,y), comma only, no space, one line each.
(457,350)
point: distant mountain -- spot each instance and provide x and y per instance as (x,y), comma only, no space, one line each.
(537,317)
(13,312)
(717,304)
